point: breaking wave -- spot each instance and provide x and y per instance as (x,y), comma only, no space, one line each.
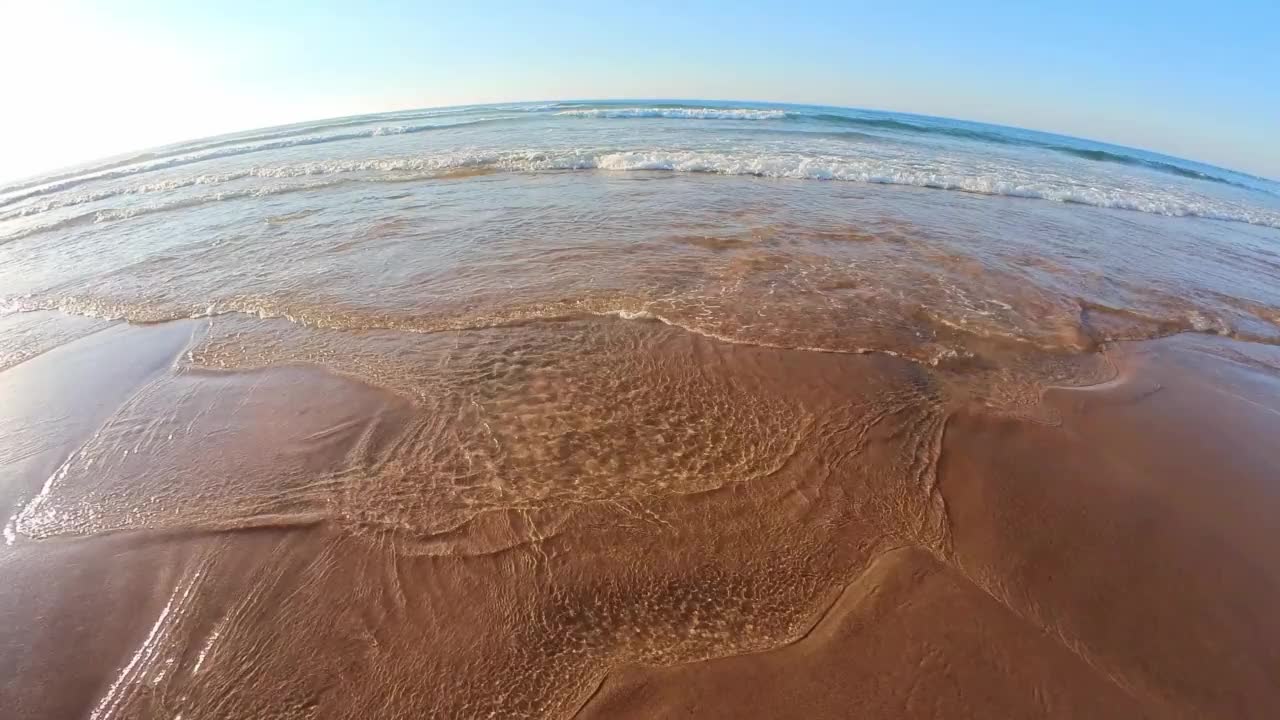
(1151,199)
(677,113)
(909,124)
(214,152)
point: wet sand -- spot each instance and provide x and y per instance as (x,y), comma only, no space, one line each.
(277,541)
(1117,563)
(536,411)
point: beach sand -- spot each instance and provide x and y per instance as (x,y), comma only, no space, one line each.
(253,543)
(1114,564)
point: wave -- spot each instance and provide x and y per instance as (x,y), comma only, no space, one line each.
(1142,326)
(922,127)
(795,166)
(408,122)
(240,138)
(808,167)
(217,152)
(311,128)
(107,215)
(1015,138)
(1125,159)
(322,318)
(677,113)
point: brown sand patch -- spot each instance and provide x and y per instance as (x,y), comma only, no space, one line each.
(908,638)
(1115,563)
(1112,563)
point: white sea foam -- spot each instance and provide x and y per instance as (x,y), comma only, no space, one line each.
(115,214)
(811,167)
(635,315)
(988,179)
(677,113)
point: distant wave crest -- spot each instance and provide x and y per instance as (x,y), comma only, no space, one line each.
(40,195)
(892,124)
(1003,138)
(97,170)
(212,151)
(1150,199)
(677,113)
(808,167)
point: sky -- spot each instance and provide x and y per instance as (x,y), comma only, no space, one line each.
(85,79)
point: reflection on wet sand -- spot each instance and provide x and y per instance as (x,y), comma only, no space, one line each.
(620,518)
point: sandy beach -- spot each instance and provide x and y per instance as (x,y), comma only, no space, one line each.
(639,409)
(1112,564)
(228,556)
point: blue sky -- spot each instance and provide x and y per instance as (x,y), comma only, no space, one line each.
(85,80)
